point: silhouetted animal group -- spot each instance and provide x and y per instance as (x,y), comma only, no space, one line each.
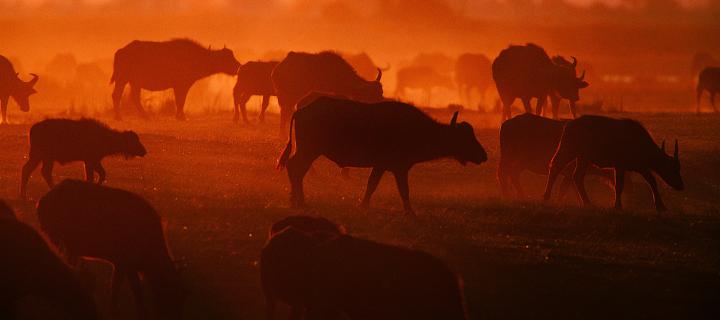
(309,263)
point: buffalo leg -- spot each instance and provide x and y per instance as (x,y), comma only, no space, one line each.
(561,159)
(565,186)
(372,184)
(555,106)
(180,96)
(135,98)
(117,97)
(619,185)
(101,172)
(264,106)
(526,104)
(136,288)
(27,170)
(286,108)
(3,106)
(90,171)
(579,179)
(297,167)
(117,280)
(659,205)
(502,176)
(401,179)
(507,107)
(241,104)
(47,168)
(540,107)
(515,180)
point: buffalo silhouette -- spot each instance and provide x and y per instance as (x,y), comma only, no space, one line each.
(708,80)
(472,71)
(253,78)
(12,86)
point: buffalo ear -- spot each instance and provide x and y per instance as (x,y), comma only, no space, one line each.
(662,147)
(677,152)
(453,121)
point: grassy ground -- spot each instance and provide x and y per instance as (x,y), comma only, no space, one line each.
(215,184)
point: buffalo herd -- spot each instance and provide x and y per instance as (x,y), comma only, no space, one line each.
(327,109)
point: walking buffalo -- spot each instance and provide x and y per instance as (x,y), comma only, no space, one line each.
(473,71)
(421,77)
(386,136)
(174,64)
(87,140)
(621,144)
(528,142)
(12,86)
(708,80)
(89,220)
(527,72)
(358,278)
(29,267)
(302,73)
(253,78)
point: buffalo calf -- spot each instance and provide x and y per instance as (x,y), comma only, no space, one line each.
(89,220)
(386,136)
(359,278)
(621,144)
(28,267)
(87,140)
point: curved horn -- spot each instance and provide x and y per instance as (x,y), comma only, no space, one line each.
(582,76)
(574,64)
(379,76)
(33,80)
(662,147)
(677,152)
(453,121)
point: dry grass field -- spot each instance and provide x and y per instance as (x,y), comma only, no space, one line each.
(216,186)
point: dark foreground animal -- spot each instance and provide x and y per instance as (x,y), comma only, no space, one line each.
(359,278)
(528,142)
(421,77)
(302,73)
(621,144)
(28,267)
(386,136)
(12,86)
(527,72)
(708,80)
(253,78)
(472,71)
(307,224)
(87,140)
(6,211)
(89,220)
(174,64)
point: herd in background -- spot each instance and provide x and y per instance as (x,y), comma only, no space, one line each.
(334,112)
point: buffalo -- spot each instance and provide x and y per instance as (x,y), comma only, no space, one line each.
(528,143)
(12,86)
(29,267)
(708,80)
(87,140)
(359,278)
(174,64)
(302,73)
(423,78)
(120,227)
(472,71)
(363,64)
(385,136)
(621,144)
(527,72)
(307,224)
(253,78)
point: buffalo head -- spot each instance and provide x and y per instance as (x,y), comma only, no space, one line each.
(22,92)
(568,84)
(132,147)
(370,91)
(224,61)
(668,168)
(466,148)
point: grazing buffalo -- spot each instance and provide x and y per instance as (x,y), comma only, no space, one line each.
(423,78)
(28,267)
(528,142)
(89,220)
(12,86)
(358,278)
(87,140)
(386,136)
(621,144)
(527,72)
(708,80)
(307,224)
(253,78)
(472,71)
(302,73)
(174,64)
